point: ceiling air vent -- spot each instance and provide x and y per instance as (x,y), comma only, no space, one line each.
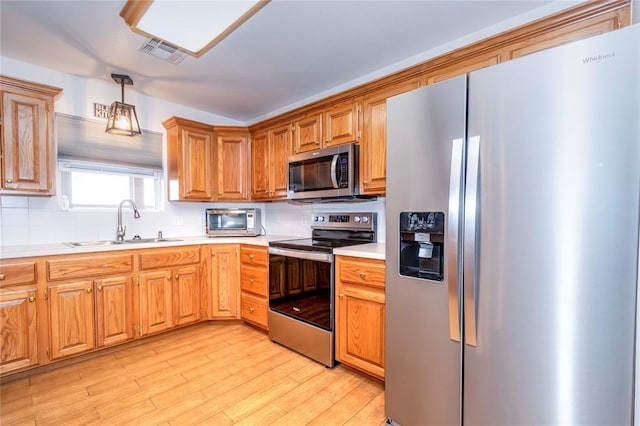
(163,50)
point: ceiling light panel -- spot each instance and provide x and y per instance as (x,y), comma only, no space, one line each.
(194,26)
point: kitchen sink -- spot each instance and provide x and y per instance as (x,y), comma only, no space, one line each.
(115,242)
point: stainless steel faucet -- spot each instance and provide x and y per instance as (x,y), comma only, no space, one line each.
(120,231)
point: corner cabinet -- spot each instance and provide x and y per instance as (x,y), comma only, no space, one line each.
(224,279)
(360,314)
(27,151)
(232,171)
(190,150)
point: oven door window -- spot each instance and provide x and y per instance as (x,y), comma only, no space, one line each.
(301,289)
(233,221)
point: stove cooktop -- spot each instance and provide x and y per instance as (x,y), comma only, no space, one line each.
(311,244)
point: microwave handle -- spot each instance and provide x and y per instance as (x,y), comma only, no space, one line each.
(334,170)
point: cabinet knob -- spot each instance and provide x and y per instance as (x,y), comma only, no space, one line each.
(366,182)
(251,256)
(177,277)
(251,280)
(363,274)
(9,181)
(99,288)
(169,276)
(213,254)
(32,298)
(252,310)
(341,296)
(89,289)
(316,142)
(2,277)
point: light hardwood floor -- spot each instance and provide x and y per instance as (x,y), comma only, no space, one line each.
(213,374)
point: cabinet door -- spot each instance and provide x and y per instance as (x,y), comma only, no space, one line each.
(225,278)
(18,334)
(71,313)
(114,321)
(232,173)
(280,139)
(360,328)
(155,301)
(260,166)
(341,124)
(308,133)
(373,147)
(186,295)
(27,153)
(196,165)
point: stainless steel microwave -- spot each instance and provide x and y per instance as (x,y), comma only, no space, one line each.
(324,174)
(232,222)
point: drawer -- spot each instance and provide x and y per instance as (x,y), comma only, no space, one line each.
(89,266)
(254,280)
(254,309)
(17,273)
(361,271)
(254,255)
(165,258)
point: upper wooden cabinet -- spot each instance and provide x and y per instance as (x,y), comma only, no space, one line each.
(333,126)
(28,155)
(190,150)
(373,147)
(206,163)
(269,152)
(232,172)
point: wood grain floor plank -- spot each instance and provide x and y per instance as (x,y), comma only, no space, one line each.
(207,374)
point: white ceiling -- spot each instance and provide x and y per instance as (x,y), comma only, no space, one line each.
(286,54)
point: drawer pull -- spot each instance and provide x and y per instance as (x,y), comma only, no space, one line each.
(251,280)
(252,310)
(89,289)
(363,274)
(32,298)
(2,277)
(251,256)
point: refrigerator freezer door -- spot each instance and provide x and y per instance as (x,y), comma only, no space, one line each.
(557,218)
(422,368)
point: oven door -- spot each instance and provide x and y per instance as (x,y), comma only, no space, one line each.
(301,286)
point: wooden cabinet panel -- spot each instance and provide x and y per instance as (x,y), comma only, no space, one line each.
(360,314)
(254,255)
(18,333)
(190,150)
(280,148)
(276,276)
(164,258)
(307,133)
(225,280)
(373,147)
(254,280)
(156,301)
(70,267)
(28,146)
(260,167)
(71,312)
(114,310)
(254,310)
(341,124)
(186,295)
(232,173)
(17,273)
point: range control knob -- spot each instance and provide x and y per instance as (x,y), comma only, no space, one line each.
(314,218)
(365,219)
(321,218)
(356,219)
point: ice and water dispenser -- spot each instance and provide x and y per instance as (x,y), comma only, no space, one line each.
(422,245)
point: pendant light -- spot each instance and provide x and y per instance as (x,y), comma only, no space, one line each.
(123,119)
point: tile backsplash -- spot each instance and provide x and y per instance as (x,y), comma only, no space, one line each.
(39,220)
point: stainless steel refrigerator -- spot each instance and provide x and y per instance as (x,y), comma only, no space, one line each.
(513,198)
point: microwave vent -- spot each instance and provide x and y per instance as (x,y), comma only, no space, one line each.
(163,50)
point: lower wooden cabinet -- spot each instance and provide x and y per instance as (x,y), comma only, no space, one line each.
(360,314)
(18,329)
(114,310)
(71,318)
(224,278)
(254,285)
(186,295)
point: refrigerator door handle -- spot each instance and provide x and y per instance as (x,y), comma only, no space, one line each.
(470,241)
(453,225)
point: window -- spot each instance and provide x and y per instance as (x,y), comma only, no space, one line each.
(95,185)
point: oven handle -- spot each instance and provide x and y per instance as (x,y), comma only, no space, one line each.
(301,254)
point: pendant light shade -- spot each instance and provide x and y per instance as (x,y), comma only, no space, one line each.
(123,119)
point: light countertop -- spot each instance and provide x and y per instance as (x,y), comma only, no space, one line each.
(371,251)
